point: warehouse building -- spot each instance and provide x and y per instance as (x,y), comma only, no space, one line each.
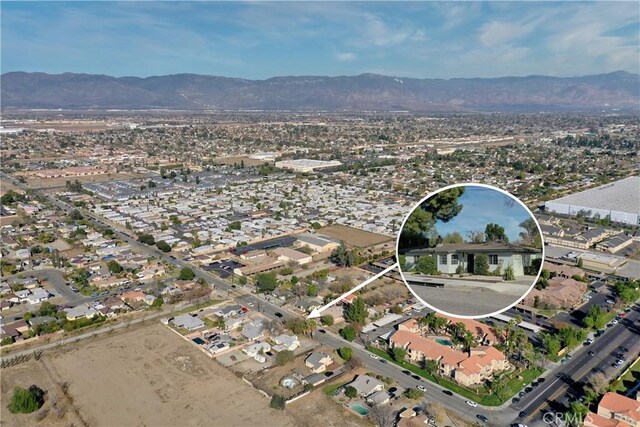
(306,165)
(620,200)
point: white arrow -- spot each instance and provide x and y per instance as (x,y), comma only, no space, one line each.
(316,311)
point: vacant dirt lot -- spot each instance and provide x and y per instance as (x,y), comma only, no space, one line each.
(61,182)
(316,409)
(149,376)
(353,236)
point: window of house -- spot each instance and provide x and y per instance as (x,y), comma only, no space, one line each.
(443,259)
(454,259)
(493,259)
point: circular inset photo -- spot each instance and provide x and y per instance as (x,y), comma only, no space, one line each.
(470,250)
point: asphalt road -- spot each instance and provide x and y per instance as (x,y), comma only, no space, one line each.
(551,394)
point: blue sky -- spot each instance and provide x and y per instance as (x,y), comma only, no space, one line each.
(263,39)
(482,206)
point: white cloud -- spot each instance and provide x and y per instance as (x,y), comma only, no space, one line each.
(346,56)
(496,33)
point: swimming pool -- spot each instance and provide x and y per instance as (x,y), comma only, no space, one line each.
(359,409)
(444,341)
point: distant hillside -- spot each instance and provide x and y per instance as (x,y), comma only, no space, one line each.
(364,92)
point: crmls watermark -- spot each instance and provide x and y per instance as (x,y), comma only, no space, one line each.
(565,419)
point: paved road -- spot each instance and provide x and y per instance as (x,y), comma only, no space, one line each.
(469,300)
(551,394)
(54,277)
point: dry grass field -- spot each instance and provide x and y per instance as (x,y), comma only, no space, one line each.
(354,237)
(61,182)
(146,376)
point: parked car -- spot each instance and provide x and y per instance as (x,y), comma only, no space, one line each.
(471,403)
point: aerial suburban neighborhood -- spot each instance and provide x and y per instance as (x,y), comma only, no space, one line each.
(307,243)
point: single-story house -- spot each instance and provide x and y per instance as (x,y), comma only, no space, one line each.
(366,385)
(378,398)
(188,321)
(80,311)
(318,361)
(256,348)
(286,342)
(228,310)
(253,330)
(450,257)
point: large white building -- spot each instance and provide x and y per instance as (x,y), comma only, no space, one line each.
(620,200)
(306,165)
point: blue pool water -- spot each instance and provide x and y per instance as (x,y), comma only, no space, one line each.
(359,409)
(444,342)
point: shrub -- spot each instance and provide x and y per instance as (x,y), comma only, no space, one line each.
(348,333)
(413,393)
(346,353)
(26,401)
(284,357)
(327,320)
(186,274)
(481,265)
(508,274)
(277,402)
(163,246)
(350,391)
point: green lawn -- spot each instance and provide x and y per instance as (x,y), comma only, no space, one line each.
(628,380)
(330,389)
(481,395)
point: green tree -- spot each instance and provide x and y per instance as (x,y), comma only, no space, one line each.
(494,232)
(426,264)
(443,207)
(26,401)
(327,320)
(350,392)
(114,266)
(357,312)
(399,353)
(147,239)
(266,282)
(402,261)
(285,357)
(277,402)
(186,274)
(312,290)
(163,246)
(454,237)
(345,353)
(580,263)
(596,318)
(481,265)
(157,303)
(348,333)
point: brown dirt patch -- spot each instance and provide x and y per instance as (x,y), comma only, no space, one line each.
(354,236)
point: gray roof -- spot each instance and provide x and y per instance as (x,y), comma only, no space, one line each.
(473,247)
(188,322)
(316,239)
(365,385)
(253,330)
(622,196)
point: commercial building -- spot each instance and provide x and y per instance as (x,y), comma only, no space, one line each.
(306,165)
(620,200)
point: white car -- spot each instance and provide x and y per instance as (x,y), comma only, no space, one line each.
(614,321)
(471,403)
(373,356)
(422,388)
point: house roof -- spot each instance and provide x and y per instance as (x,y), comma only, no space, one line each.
(365,385)
(431,349)
(473,247)
(620,404)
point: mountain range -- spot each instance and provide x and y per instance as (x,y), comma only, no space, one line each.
(364,92)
